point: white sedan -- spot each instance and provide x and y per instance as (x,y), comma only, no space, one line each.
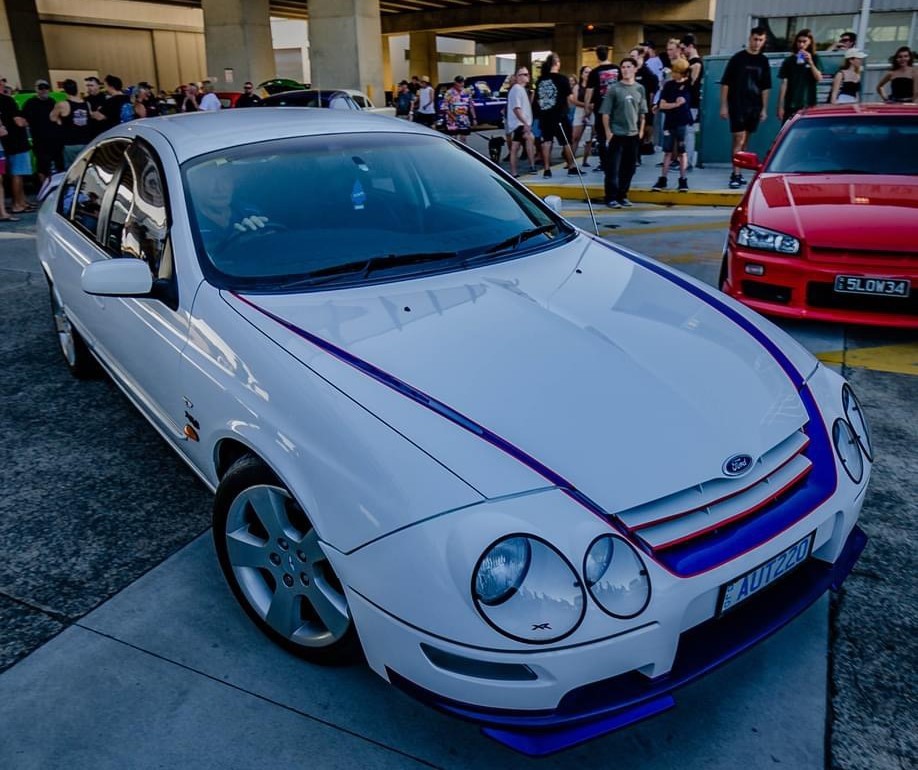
(541,481)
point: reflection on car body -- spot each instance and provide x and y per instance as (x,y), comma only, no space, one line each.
(836,198)
(447,428)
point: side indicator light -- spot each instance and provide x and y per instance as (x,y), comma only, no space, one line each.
(755,269)
(191,433)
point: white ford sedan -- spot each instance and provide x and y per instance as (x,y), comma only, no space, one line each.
(539,480)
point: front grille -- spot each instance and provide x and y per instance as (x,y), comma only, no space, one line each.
(824,295)
(767,292)
(676,524)
(854,256)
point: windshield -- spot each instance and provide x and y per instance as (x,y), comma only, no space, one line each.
(310,212)
(857,144)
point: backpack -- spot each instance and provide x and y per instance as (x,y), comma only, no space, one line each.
(127,112)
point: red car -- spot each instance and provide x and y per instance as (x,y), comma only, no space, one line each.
(828,228)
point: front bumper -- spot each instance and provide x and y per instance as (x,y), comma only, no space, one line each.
(604,706)
(797,287)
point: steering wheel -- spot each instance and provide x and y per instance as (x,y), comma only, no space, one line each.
(237,237)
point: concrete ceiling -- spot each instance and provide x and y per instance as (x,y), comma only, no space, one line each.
(394,12)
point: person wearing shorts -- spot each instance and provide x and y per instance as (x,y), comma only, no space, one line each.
(552,100)
(676,106)
(744,90)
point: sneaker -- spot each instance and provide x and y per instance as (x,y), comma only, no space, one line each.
(741,179)
(533,170)
(674,165)
(625,203)
(572,171)
(585,164)
(546,173)
(599,170)
(660,185)
(683,184)
(735,181)
(613,205)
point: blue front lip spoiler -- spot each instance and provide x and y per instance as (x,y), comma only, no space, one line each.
(603,707)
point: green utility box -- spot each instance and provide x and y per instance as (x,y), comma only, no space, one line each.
(714,142)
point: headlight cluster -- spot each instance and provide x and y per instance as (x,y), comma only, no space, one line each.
(527,590)
(767,240)
(851,436)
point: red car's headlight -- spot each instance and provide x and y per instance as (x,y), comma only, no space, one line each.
(767,240)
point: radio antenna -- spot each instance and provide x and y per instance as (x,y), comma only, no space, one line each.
(586,194)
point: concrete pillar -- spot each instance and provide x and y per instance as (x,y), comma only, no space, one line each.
(524,59)
(237,36)
(387,66)
(20,35)
(423,60)
(626,36)
(345,45)
(568,44)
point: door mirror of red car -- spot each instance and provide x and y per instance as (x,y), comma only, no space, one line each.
(748,160)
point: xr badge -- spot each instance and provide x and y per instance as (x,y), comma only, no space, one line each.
(541,627)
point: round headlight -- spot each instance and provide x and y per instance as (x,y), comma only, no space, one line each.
(501,571)
(849,451)
(858,421)
(616,577)
(527,590)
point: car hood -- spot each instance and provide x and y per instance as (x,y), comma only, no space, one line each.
(595,366)
(839,211)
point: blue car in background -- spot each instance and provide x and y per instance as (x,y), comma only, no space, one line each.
(489,95)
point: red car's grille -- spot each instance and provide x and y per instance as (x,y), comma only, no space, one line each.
(854,256)
(713,505)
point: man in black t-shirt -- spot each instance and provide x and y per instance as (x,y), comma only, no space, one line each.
(249,98)
(46,135)
(16,146)
(109,114)
(744,90)
(551,97)
(95,97)
(695,76)
(603,75)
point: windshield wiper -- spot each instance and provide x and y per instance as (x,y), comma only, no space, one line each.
(362,268)
(515,240)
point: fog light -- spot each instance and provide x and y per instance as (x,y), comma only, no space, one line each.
(755,269)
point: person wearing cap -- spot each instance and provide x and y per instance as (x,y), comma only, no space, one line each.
(458,111)
(249,98)
(146,105)
(72,115)
(46,134)
(425,111)
(846,85)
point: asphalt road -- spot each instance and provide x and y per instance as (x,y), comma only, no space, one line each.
(93,499)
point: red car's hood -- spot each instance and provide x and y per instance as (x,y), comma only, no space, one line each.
(838,211)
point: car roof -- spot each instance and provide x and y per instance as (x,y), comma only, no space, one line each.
(197,133)
(860,108)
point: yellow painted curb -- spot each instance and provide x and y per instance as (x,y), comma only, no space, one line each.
(898,359)
(667,197)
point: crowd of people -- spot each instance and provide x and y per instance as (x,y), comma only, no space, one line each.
(645,102)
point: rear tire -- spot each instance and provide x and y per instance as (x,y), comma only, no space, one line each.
(270,556)
(80,361)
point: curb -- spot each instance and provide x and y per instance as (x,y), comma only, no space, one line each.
(665,197)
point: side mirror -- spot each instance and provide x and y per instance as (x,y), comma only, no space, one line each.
(553,202)
(125,276)
(748,160)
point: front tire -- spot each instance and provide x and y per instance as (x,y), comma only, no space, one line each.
(80,361)
(722,278)
(270,556)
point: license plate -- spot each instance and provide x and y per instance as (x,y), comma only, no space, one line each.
(860,284)
(756,579)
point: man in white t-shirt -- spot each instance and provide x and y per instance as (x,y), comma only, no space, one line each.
(425,111)
(519,121)
(209,102)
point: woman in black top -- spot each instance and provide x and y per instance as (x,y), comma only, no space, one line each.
(902,77)
(846,85)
